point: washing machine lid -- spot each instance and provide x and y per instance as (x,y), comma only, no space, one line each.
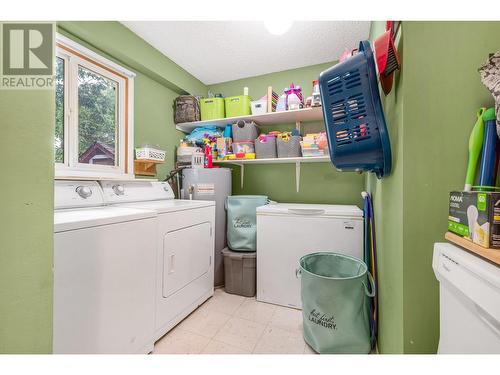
(301,209)
(72,219)
(165,206)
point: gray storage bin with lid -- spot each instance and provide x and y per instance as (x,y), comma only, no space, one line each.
(240,272)
(289,148)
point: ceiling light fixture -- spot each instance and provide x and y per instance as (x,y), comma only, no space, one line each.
(278,27)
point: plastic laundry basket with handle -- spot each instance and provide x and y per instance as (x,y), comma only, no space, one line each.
(335,302)
(354,118)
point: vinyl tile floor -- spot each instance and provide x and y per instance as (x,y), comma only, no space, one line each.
(231,324)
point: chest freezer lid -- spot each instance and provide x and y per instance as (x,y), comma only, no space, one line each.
(302,209)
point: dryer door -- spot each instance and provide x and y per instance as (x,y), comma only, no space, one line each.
(186,256)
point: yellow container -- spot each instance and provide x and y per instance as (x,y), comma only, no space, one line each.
(212,108)
(238,106)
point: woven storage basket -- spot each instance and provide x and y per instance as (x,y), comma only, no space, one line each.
(266,149)
(149,153)
(244,131)
(290,148)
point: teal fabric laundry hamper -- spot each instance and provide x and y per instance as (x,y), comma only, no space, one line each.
(335,292)
(242,221)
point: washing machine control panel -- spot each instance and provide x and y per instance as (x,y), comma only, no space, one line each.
(71,194)
(84,191)
(118,189)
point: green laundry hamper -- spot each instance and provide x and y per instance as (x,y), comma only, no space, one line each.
(335,303)
(242,221)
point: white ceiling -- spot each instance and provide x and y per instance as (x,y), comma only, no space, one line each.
(220,51)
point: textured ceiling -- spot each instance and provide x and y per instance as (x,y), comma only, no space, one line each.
(220,51)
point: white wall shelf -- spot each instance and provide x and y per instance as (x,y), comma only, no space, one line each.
(297,161)
(312,159)
(274,118)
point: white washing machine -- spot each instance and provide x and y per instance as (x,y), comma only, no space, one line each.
(185,247)
(288,231)
(104,262)
(469,301)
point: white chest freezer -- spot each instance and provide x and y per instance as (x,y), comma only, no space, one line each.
(286,232)
(469,301)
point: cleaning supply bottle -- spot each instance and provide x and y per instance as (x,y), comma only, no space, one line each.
(475,146)
(489,149)
(208,156)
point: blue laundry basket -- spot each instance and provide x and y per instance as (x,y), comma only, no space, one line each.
(354,119)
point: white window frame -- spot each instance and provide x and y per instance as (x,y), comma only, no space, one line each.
(76,55)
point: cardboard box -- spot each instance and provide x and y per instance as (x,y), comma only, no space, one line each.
(476,216)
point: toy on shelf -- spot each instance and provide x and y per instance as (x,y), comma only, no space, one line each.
(281,103)
(294,99)
(224,147)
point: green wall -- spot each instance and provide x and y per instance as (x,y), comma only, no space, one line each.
(442,94)
(320,183)
(26,151)
(387,195)
(157,83)
(26,220)
(429,124)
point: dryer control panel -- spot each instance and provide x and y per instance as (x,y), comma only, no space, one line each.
(135,191)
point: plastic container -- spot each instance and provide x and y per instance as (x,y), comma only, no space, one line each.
(185,153)
(354,119)
(259,107)
(237,106)
(244,131)
(334,290)
(243,147)
(212,109)
(240,272)
(265,147)
(308,152)
(289,148)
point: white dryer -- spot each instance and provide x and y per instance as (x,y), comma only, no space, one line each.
(104,261)
(185,246)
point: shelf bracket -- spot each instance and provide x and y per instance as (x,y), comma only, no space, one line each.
(297,175)
(242,174)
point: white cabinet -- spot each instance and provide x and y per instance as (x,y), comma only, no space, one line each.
(469,301)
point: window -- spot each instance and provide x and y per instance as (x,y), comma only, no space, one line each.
(94,107)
